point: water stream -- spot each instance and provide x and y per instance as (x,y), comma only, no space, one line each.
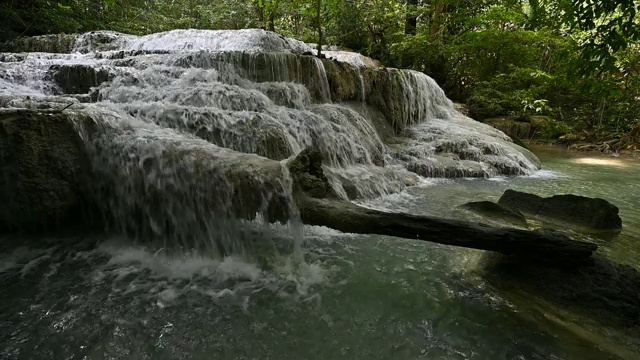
(180,118)
(356,297)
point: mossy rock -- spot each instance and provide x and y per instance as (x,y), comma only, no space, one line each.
(545,127)
(591,215)
(511,127)
(308,175)
(272,143)
(344,82)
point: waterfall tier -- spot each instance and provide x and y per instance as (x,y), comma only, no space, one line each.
(177,113)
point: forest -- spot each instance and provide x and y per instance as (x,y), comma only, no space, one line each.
(568,69)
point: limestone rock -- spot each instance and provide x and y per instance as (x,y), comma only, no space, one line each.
(578,212)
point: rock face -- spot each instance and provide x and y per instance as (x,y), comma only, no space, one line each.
(44,173)
(578,212)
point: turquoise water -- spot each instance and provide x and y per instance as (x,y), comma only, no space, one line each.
(355,297)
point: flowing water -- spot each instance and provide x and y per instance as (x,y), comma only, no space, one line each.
(190,135)
(356,297)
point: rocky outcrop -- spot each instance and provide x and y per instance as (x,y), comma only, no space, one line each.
(45,174)
(578,212)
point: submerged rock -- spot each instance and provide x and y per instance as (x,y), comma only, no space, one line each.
(578,212)
(495,211)
(604,291)
(45,175)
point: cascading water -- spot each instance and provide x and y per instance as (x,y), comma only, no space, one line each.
(172,123)
(176,109)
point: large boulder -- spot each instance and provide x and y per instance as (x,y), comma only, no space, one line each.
(577,212)
(45,174)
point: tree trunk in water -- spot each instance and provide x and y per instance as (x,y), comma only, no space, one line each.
(546,247)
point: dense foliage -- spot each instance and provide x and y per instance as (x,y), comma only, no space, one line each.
(577,61)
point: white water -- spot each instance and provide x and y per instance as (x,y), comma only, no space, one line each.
(181,110)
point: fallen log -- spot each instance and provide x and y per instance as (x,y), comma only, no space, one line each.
(540,246)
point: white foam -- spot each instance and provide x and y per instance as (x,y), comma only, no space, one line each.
(230,280)
(255,40)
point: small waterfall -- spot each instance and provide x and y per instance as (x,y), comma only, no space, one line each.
(363,95)
(157,184)
(178,113)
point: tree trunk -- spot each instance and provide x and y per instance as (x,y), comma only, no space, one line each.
(437,18)
(544,247)
(319,23)
(411,19)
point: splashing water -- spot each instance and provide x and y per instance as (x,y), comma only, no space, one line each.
(179,111)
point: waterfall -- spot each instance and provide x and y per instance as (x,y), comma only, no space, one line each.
(177,110)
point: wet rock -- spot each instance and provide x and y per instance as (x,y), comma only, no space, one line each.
(344,82)
(578,212)
(308,175)
(446,167)
(604,291)
(542,127)
(495,211)
(272,143)
(44,173)
(79,79)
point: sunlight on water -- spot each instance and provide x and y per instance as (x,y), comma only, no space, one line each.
(601,162)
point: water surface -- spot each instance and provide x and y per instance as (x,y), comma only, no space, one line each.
(355,297)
